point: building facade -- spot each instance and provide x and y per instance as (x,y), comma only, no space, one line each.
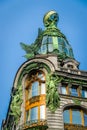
(49,90)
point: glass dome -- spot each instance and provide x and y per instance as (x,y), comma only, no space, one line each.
(49,40)
(51,43)
(52,38)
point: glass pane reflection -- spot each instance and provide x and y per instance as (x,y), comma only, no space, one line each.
(34,113)
(42,112)
(35,86)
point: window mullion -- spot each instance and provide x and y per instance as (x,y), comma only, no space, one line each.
(70,115)
(39,112)
(78,90)
(31,92)
(29,114)
(82,116)
(67,89)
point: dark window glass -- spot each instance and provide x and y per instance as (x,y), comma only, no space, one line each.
(66,51)
(60,48)
(74,91)
(59,40)
(70,66)
(71,52)
(60,44)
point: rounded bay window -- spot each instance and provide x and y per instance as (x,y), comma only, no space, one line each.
(35,84)
(35,97)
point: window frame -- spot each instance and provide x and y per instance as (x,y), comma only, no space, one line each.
(69,87)
(65,85)
(82,112)
(66,88)
(84,90)
(37,100)
(32,79)
(73,92)
(28,113)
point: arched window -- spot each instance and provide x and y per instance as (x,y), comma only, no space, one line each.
(35,96)
(35,84)
(75,115)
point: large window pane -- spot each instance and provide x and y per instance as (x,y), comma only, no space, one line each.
(42,112)
(50,40)
(66,116)
(45,39)
(60,48)
(74,91)
(50,47)
(85,119)
(76,117)
(44,48)
(43,88)
(34,113)
(55,42)
(35,86)
(63,89)
(84,93)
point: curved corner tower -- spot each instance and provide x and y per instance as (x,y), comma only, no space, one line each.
(49,90)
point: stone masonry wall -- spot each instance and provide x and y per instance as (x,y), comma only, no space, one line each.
(55,120)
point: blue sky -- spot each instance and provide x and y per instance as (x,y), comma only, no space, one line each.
(19,22)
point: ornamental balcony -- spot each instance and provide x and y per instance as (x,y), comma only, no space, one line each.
(74,127)
(34,124)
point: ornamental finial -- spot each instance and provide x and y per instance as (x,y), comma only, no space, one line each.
(50,19)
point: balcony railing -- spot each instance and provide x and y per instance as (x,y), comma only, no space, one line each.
(33,124)
(74,127)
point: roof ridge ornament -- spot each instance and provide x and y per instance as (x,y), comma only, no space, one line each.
(50,19)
